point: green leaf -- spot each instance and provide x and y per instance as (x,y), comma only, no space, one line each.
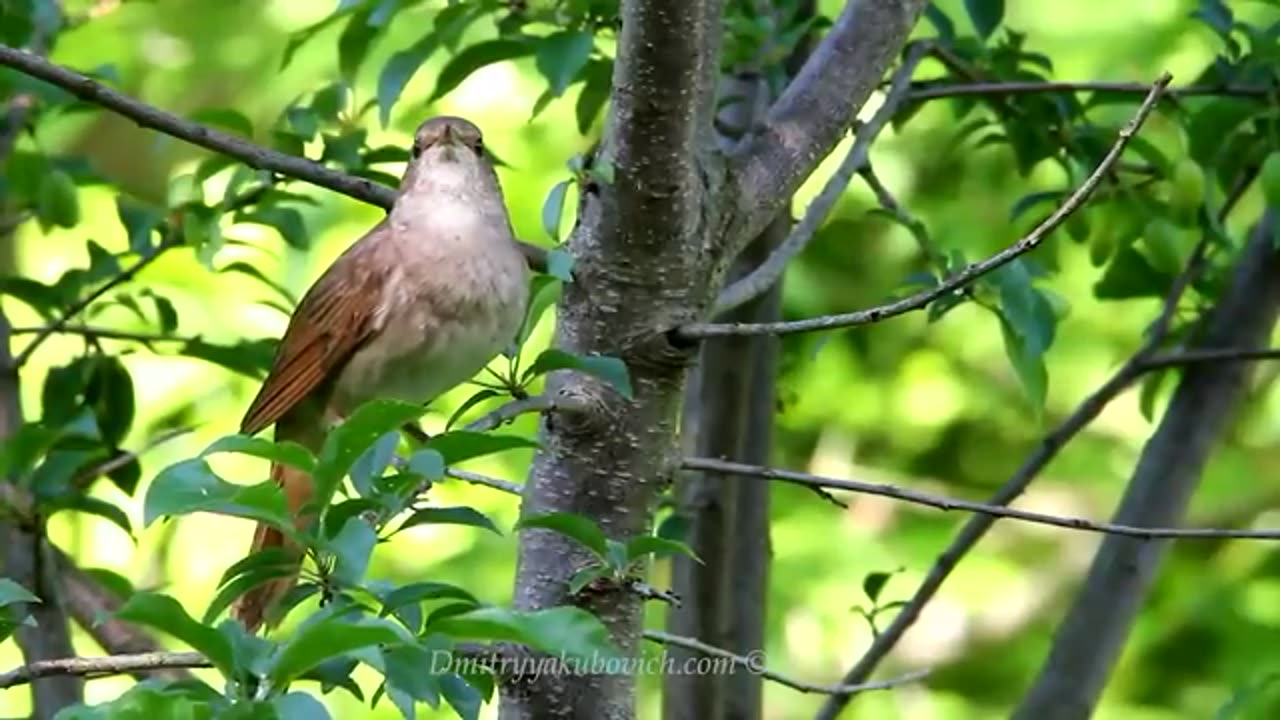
(347,442)
(985,14)
(399,70)
(284,452)
(450,516)
(674,527)
(560,265)
(1214,123)
(658,547)
(91,505)
(11,592)
(373,462)
(328,638)
(544,291)
(353,44)
(404,602)
(352,548)
(475,57)
(610,369)
(245,268)
(553,209)
(873,583)
(564,631)
(191,486)
(296,40)
(1130,275)
(299,706)
(287,221)
(1269,179)
(595,93)
(461,696)
(412,670)
(115,583)
(57,202)
(1028,311)
(1028,363)
(139,222)
(561,56)
(584,577)
(257,568)
(616,556)
(430,464)
(476,399)
(460,445)
(250,357)
(577,527)
(167,615)
(224,118)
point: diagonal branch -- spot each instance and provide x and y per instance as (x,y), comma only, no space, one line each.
(91,667)
(816,109)
(754,662)
(759,280)
(977,526)
(961,279)
(245,151)
(148,116)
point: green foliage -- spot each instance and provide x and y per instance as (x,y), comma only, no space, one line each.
(12,597)
(966,153)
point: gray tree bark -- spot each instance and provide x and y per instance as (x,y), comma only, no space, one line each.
(1092,635)
(724,597)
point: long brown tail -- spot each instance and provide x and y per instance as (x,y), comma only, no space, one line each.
(252,608)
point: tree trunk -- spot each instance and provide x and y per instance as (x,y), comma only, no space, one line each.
(724,597)
(1092,634)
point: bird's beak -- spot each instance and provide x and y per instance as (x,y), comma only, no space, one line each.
(449,138)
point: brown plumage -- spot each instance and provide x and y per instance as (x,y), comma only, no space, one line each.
(418,305)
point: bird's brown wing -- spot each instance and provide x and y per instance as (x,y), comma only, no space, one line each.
(336,316)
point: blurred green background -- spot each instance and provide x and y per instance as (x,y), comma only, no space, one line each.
(934,407)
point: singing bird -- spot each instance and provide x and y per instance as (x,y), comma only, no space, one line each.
(416,306)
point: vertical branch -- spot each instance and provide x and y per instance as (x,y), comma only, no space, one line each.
(640,266)
(729,411)
(27,557)
(1092,635)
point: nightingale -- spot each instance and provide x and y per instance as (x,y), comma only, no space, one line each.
(418,305)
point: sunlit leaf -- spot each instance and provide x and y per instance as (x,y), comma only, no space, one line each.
(167,615)
(577,527)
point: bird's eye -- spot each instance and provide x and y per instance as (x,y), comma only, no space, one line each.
(479,147)
(415,150)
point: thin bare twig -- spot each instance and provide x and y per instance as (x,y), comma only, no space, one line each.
(505,486)
(755,663)
(77,307)
(961,279)
(943,502)
(935,91)
(104,666)
(759,280)
(510,411)
(104,333)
